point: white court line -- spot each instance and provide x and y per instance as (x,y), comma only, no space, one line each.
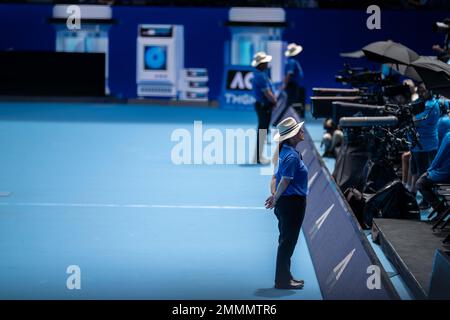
(113,205)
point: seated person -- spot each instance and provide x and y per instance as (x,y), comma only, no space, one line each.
(332,138)
(438,172)
(426,125)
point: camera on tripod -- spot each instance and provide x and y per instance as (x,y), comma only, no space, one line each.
(443,27)
(357,77)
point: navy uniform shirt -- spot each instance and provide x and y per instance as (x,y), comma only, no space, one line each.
(443,127)
(295,70)
(439,170)
(260,83)
(290,165)
(426,125)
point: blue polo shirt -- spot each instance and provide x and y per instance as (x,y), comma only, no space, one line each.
(290,165)
(426,125)
(443,127)
(439,170)
(293,67)
(260,83)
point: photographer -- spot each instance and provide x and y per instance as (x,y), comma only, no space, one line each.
(426,124)
(332,138)
(439,171)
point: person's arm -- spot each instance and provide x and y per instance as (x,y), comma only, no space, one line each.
(437,48)
(273,181)
(270,96)
(282,186)
(300,70)
(287,174)
(273,185)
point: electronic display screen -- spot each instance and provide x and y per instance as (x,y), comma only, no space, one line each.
(155,57)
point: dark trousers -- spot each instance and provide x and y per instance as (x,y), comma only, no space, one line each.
(420,161)
(290,211)
(425,185)
(264,113)
(293,96)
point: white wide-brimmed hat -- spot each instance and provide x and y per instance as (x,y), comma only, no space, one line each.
(293,49)
(260,57)
(287,128)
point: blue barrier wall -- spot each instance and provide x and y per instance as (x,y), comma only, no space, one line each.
(440,276)
(340,252)
(323,34)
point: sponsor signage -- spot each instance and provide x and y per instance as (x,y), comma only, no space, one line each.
(237,90)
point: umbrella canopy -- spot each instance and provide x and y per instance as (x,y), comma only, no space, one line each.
(389,52)
(407,71)
(435,74)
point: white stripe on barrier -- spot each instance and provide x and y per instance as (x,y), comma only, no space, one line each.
(311,180)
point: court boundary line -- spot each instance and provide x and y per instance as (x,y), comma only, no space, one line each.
(137,205)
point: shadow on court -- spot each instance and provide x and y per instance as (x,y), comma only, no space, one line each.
(273,293)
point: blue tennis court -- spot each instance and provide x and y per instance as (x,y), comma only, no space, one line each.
(93,185)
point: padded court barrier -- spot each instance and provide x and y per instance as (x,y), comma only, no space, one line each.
(440,277)
(342,256)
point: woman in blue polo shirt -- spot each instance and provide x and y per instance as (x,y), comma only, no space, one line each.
(289,200)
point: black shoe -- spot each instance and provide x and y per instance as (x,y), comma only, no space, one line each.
(424,205)
(290,285)
(298,281)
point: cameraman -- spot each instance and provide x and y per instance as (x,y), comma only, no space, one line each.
(438,172)
(332,138)
(426,124)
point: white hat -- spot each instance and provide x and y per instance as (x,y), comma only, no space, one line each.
(287,128)
(293,49)
(260,57)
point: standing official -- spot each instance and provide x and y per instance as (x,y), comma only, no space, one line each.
(265,101)
(292,83)
(289,199)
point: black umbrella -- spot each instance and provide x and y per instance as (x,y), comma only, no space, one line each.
(389,52)
(435,74)
(407,71)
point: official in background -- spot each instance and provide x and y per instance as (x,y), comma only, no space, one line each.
(265,101)
(289,199)
(292,83)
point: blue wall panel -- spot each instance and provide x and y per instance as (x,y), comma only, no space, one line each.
(323,34)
